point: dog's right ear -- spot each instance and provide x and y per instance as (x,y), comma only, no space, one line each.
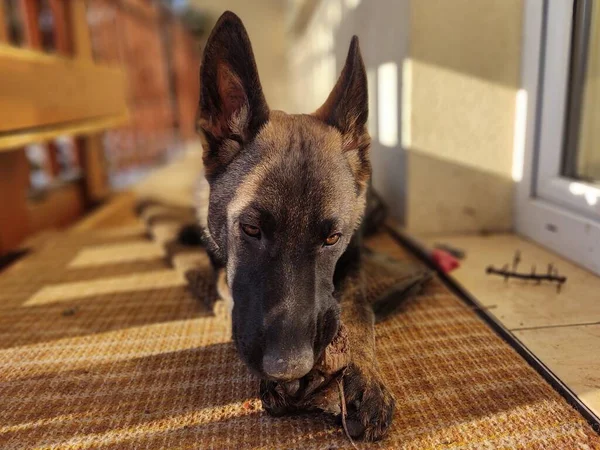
(232,104)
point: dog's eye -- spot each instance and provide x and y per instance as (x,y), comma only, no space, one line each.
(251,230)
(333,239)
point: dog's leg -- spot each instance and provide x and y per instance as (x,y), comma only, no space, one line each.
(391,282)
(369,404)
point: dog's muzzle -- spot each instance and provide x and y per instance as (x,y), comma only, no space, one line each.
(285,366)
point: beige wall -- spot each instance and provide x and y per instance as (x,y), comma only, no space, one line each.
(459,62)
(265,21)
(319,53)
(459,98)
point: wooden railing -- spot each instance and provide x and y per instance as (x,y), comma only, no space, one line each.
(46,95)
(119,78)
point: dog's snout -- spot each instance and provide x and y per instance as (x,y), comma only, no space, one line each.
(281,366)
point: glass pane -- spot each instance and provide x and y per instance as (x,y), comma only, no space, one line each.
(582,159)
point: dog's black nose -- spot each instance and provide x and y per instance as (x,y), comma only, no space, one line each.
(282,366)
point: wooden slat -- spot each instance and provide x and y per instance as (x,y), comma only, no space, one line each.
(53,158)
(14,185)
(59,208)
(3,28)
(82,44)
(12,142)
(62,35)
(41,90)
(30,13)
(90,146)
(94,166)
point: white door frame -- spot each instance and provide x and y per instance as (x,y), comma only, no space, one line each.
(541,211)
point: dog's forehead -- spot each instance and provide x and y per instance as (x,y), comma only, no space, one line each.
(298,132)
(306,165)
(300,172)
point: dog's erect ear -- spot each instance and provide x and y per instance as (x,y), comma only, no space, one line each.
(347,107)
(232,104)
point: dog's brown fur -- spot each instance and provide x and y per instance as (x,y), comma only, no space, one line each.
(303,169)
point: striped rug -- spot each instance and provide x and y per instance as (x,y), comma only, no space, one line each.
(102,345)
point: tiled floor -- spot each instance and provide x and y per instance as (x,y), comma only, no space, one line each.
(572,353)
(561,328)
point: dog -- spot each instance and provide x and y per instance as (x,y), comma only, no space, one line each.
(283,222)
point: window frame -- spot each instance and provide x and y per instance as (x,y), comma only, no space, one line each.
(547,209)
(556,133)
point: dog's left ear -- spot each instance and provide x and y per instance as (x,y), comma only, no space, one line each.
(347,107)
(232,104)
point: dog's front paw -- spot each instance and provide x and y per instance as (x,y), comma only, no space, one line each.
(369,405)
(276,400)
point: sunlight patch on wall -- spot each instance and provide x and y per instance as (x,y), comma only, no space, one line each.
(519,135)
(351,4)
(407,86)
(322,39)
(463,118)
(334,13)
(323,80)
(372,85)
(387,102)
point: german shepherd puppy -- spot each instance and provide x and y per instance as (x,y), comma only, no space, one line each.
(287,197)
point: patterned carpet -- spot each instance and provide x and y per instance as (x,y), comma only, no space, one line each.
(102,346)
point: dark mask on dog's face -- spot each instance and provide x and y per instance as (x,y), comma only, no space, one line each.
(287,193)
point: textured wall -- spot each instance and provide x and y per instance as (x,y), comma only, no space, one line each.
(463,76)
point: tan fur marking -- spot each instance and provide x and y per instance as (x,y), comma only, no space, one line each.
(231,91)
(239,121)
(244,194)
(223,290)
(201,199)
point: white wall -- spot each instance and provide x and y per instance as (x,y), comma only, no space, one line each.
(319,54)
(465,68)
(457,64)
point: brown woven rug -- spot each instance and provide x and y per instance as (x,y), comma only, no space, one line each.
(102,346)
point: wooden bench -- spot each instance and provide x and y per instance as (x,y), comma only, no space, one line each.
(114,79)
(45,96)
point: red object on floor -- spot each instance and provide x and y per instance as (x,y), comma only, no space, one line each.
(444,260)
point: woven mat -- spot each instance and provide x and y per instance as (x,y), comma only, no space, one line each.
(102,346)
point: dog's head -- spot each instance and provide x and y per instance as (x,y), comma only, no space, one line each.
(287,194)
